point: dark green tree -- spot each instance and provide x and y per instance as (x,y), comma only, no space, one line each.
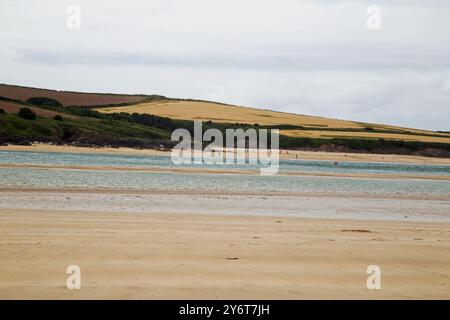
(27,113)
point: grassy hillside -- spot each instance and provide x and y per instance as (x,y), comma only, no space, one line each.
(293,125)
(79,130)
(150,123)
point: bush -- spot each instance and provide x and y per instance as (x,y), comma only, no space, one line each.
(27,113)
(58,117)
(2,111)
(45,102)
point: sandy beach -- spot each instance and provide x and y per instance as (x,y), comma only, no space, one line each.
(159,256)
(211,244)
(234,151)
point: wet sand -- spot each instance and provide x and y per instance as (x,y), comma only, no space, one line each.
(225,171)
(347,206)
(185,256)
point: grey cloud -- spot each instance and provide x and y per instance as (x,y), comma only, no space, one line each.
(309,56)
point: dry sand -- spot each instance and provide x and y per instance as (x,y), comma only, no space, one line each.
(155,256)
(285,154)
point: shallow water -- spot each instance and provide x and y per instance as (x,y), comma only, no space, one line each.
(113,160)
(58,178)
(44,178)
(292,195)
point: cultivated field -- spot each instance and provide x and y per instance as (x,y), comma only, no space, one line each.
(11,107)
(217,112)
(68,98)
(363,135)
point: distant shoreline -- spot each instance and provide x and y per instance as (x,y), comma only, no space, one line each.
(285,154)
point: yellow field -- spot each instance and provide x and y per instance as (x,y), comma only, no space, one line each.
(362,135)
(217,112)
(197,110)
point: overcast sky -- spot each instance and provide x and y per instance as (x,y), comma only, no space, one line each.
(312,57)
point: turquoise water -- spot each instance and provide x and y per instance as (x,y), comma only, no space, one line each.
(43,178)
(163,161)
(54,178)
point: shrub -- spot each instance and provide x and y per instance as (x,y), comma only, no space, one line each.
(43,101)
(85,112)
(27,113)
(2,111)
(58,117)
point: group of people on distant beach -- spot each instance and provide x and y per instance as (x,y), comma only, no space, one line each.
(296,157)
